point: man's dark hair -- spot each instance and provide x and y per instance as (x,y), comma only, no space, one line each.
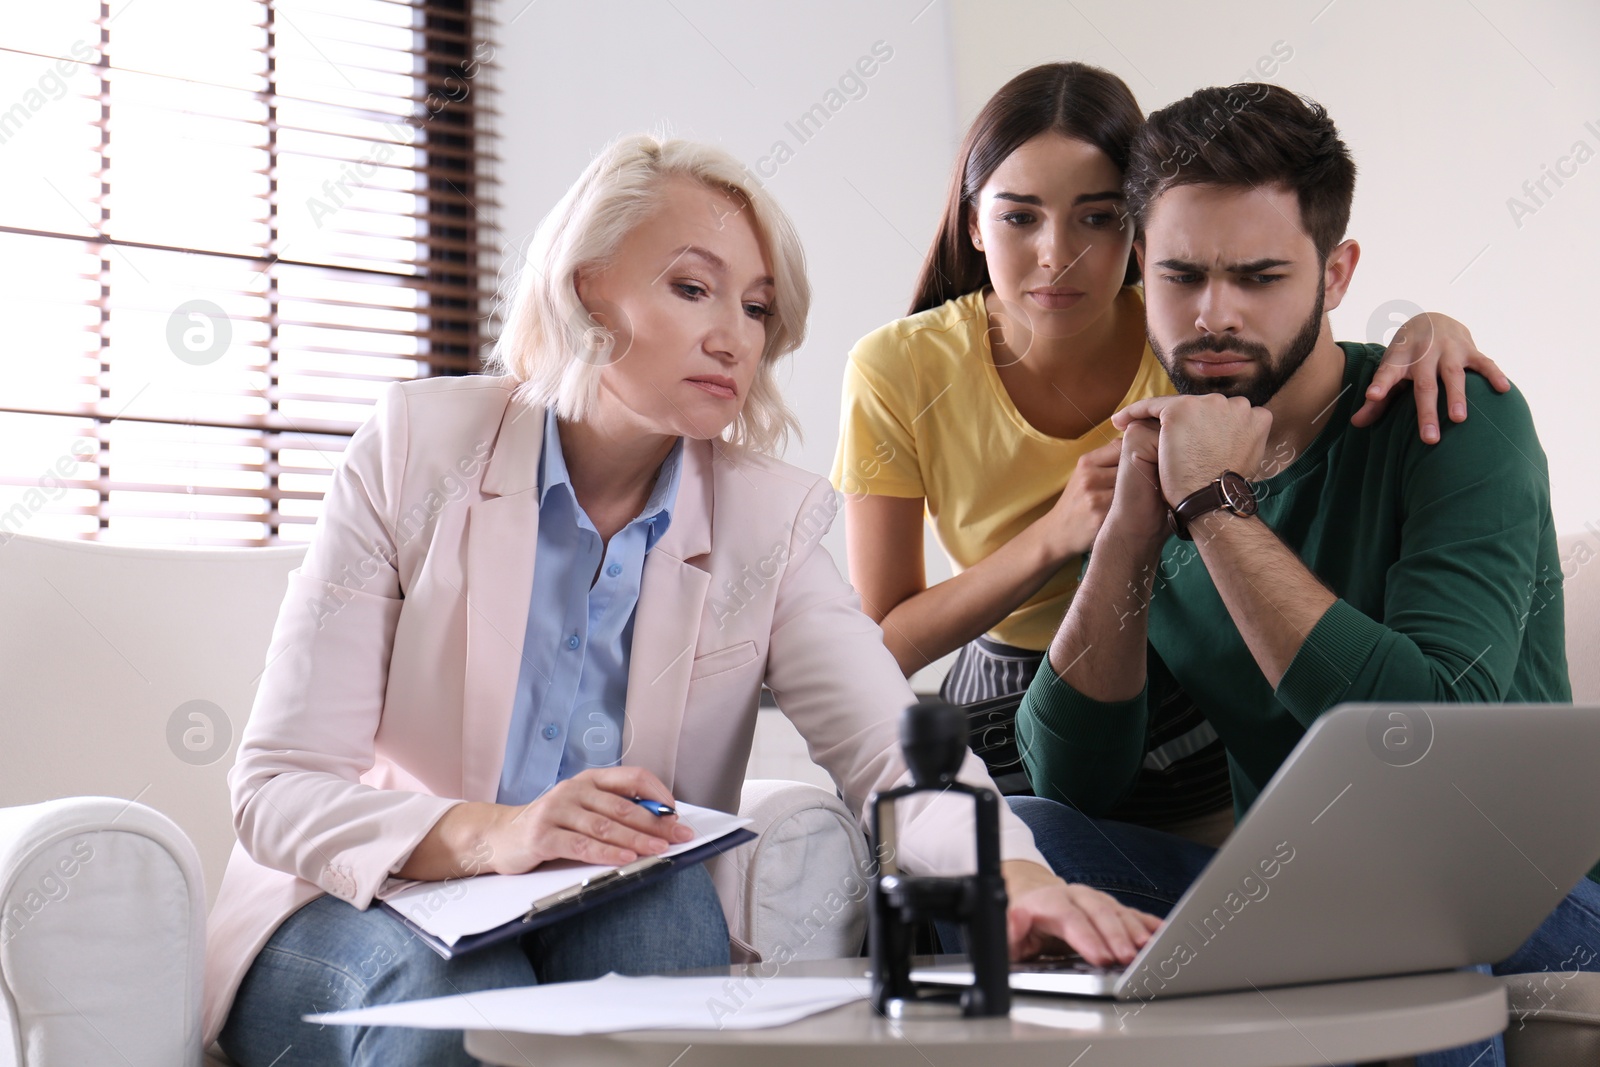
(1251,134)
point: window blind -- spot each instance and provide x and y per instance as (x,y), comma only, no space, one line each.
(225,227)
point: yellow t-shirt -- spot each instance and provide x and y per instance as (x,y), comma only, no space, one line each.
(926,415)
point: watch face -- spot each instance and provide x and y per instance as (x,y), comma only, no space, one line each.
(1237,495)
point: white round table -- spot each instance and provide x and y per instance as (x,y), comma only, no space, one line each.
(1341,1022)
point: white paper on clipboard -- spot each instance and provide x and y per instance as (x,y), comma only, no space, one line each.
(454,909)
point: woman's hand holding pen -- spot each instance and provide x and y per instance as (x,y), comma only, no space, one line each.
(592,817)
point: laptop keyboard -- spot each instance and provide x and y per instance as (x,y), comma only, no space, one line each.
(1061,965)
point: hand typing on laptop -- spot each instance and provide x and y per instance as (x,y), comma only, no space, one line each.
(1046,914)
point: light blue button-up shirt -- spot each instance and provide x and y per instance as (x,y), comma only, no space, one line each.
(573,686)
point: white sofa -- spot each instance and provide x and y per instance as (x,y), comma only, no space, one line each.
(128,675)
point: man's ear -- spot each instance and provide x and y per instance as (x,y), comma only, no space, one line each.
(1337,272)
(1138,254)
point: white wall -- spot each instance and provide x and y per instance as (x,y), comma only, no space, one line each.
(1448,108)
(864,191)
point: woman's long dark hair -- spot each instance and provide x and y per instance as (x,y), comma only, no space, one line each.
(1073,99)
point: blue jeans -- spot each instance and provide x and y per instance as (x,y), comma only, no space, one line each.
(1150,870)
(330,956)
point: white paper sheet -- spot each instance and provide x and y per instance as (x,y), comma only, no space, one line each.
(452,910)
(613,1004)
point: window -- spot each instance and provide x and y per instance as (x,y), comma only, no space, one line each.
(225,226)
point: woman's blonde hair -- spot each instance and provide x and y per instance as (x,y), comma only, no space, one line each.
(552,346)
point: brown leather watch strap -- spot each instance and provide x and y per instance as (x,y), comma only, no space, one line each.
(1230,492)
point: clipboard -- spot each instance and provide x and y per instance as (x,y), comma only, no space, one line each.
(597,889)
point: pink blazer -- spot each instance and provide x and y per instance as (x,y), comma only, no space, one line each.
(389,683)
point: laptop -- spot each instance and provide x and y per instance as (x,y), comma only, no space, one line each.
(1395,839)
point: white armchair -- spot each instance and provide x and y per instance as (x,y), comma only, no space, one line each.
(104,935)
(129,673)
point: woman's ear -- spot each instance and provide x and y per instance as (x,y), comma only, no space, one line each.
(973,233)
(588,300)
(605,324)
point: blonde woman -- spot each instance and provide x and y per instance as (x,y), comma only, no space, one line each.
(545,634)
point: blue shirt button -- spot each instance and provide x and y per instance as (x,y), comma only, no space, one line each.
(550,732)
(572,642)
(614,570)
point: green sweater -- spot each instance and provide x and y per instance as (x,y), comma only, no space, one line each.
(1444,561)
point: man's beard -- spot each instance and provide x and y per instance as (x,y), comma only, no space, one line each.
(1272,374)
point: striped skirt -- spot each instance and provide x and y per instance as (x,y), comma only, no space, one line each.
(1185,771)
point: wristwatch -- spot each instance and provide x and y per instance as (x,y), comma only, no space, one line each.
(1227,493)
